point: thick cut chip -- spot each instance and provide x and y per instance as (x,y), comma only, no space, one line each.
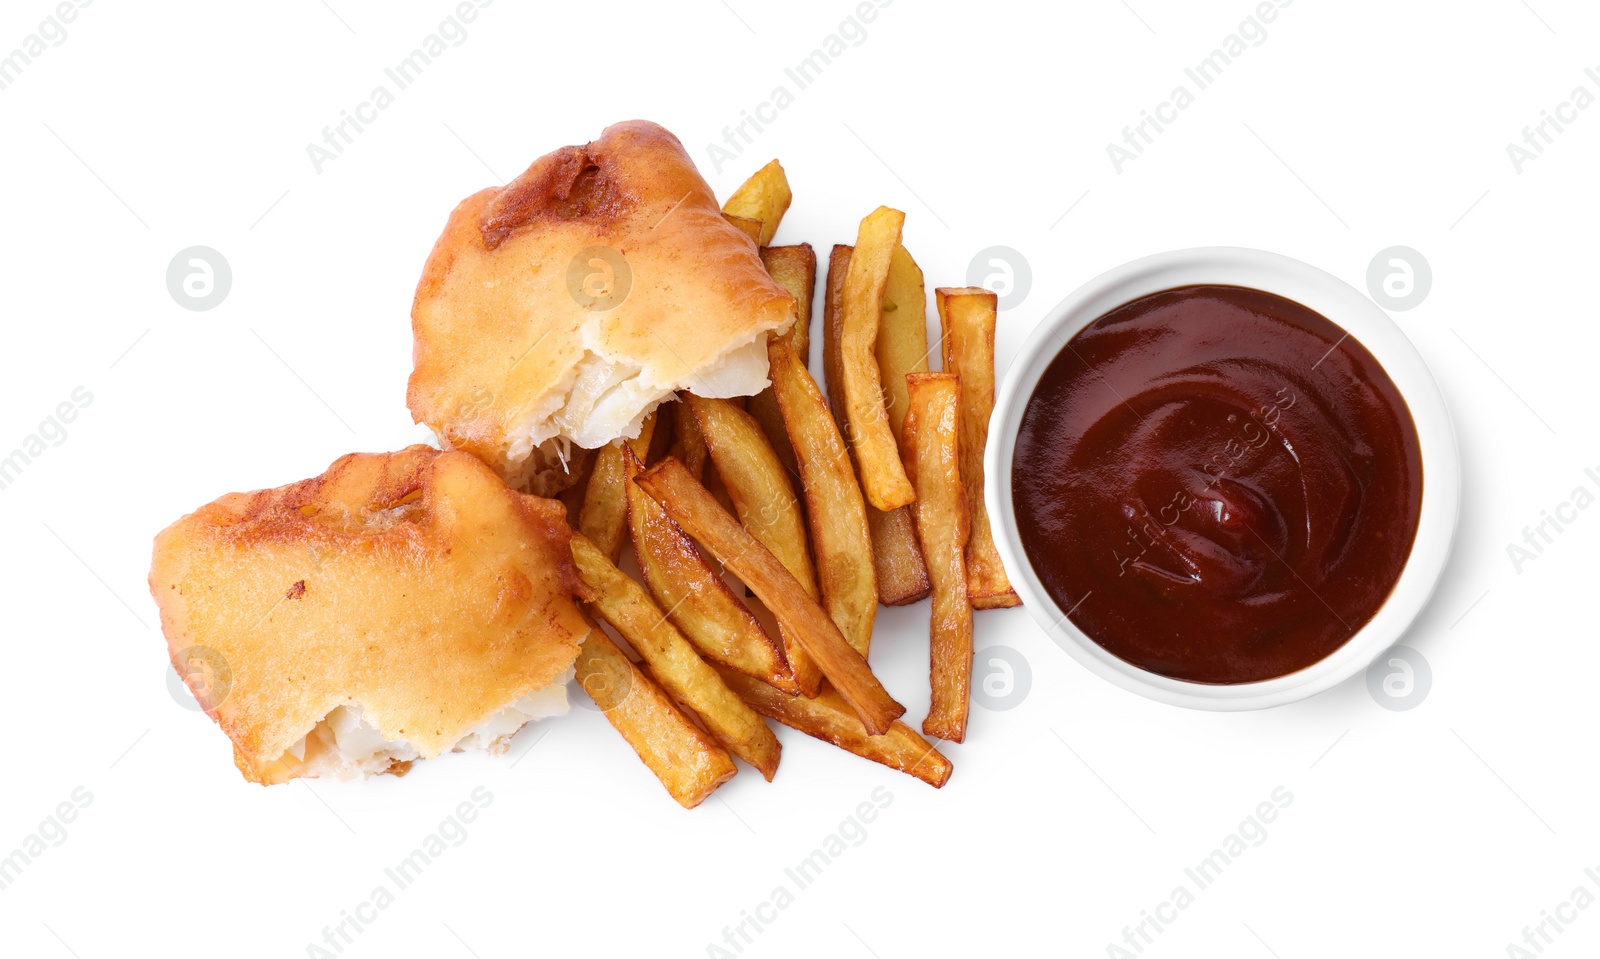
(902,333)
(759,491)
(883,477)
(835,507)
(829,718)
(765,197)
(695,597)
(605,502)
(396,607)
(693,508)
(673,662)
(967,318)
(932,439)
(683,756)
(687,444)
(795,268)
(750,228)
(896,556)
(563,307)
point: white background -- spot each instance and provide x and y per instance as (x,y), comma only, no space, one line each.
(1354,126)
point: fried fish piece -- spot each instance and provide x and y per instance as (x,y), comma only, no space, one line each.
(563,307)
(395,607)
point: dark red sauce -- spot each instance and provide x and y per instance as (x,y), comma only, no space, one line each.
(1219,483)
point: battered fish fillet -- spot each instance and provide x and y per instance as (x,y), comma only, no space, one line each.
(563,307)
(397,606)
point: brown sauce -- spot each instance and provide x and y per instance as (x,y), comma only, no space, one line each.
(1220,484)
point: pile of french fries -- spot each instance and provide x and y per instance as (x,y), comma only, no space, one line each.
(820,508)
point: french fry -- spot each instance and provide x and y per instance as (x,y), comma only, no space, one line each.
(795,269)
(683,756)
(764,407)
(902,333)
(896,557)
(832,311)
(674,664)
(664,434)
(765,501)
(764,197)
(967,321)
(835,507)
(883,477)
(605,503)
(750,228)
(719,489)
(932,451)
(830,719)
(698,514)
(696,599)
(688,446)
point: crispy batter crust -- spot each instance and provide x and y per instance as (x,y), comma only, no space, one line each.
(498,332)
(415,584)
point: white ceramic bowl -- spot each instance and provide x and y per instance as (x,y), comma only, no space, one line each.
(1340,303)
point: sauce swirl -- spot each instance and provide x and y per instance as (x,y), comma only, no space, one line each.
(1220,484)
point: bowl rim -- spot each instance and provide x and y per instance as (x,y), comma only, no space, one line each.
(1340,303)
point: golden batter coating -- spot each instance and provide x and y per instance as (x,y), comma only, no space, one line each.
(409,599)
(563,307)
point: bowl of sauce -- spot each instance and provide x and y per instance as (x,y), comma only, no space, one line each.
(1222,478)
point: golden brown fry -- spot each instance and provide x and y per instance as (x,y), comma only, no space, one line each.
(902,573)
(687,444)
(674,664)
(967,321)
(764,498)
(747,226)
(682,755)
(687,502)
(832,311)
(835,507)
(932,450)
(664,434)
(764,197)
(830,719)
(718,488)
(764,407)
(605,504)
(795,269)
(902,333)
(696,599)
(896,556)
(883,477)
